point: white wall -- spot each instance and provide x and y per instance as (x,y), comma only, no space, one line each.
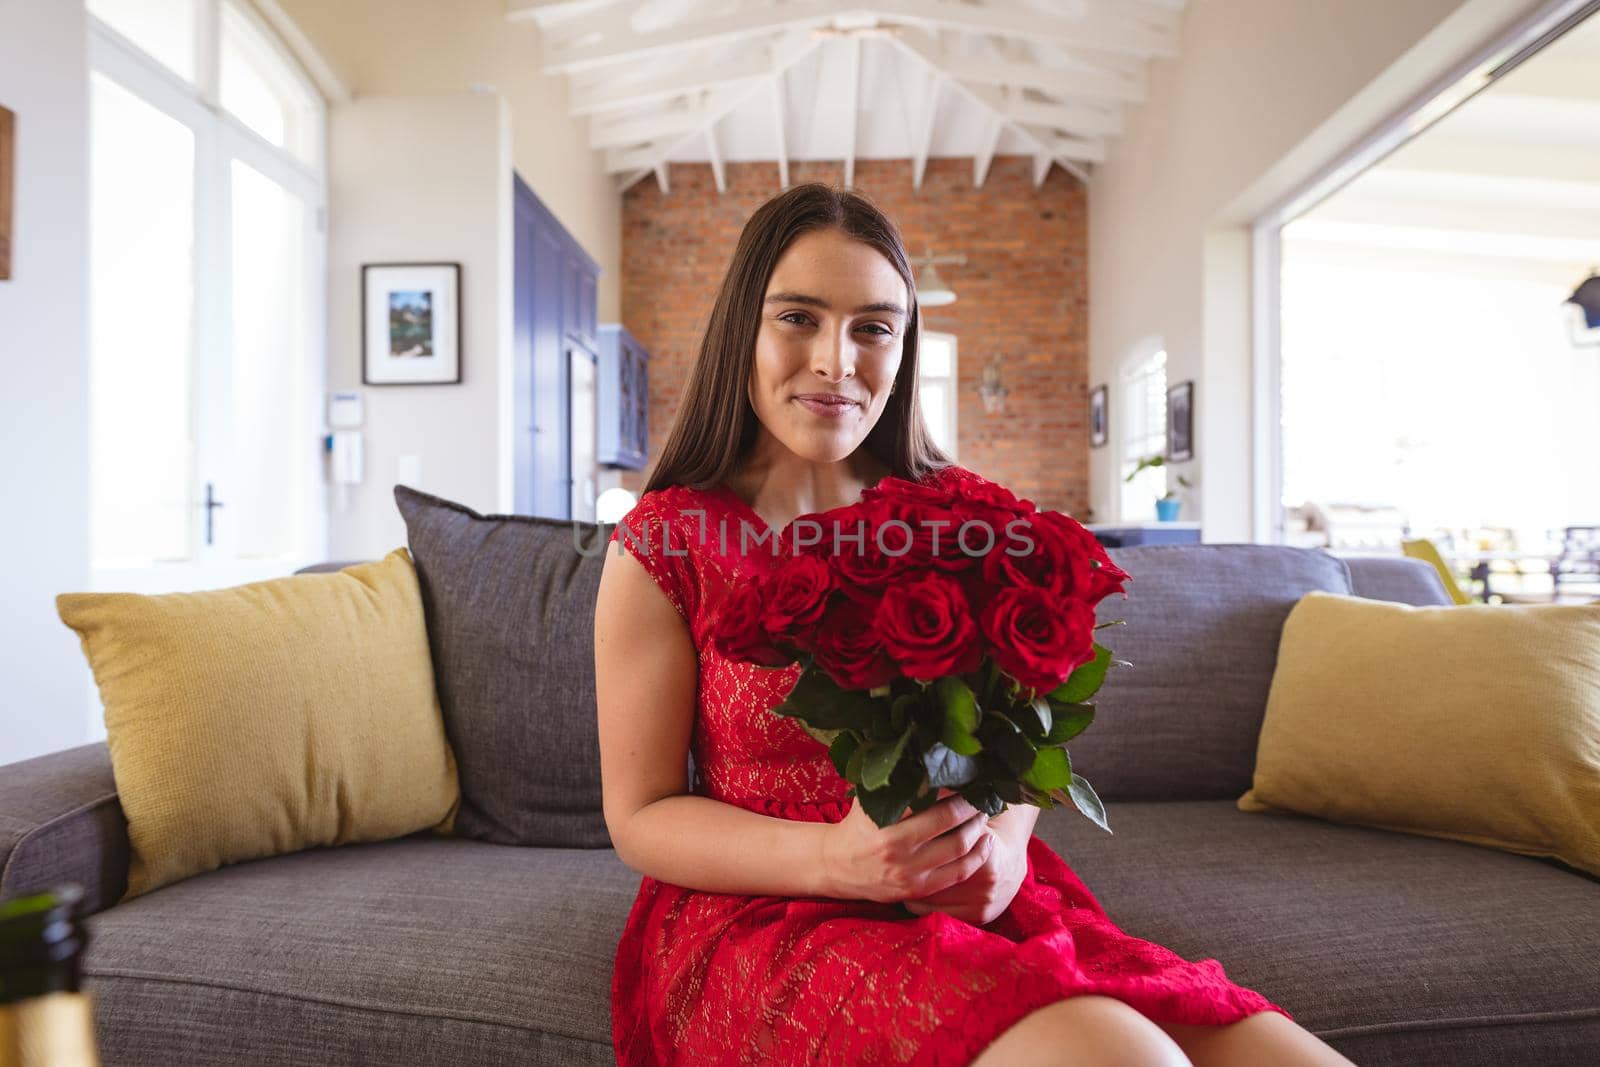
(412,47)
(44,368)
(422,179)
(1262,95)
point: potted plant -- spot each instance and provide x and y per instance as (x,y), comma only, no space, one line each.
(1167,506)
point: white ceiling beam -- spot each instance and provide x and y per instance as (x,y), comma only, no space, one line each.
(607,36)
(1074,148)
(988,141)
(924,138)
(1041,167)
(923,52)
(1080,119)
(789,53)
(852,96)
(546,12)
(716,157)
(625,181)
(780,126)
(1101,30)
(611,94)
(663,179)
(1087,85)
(652,126)
(649,16)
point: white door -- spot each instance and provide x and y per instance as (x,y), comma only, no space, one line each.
(207,269)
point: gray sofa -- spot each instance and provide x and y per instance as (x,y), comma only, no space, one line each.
(1396,949)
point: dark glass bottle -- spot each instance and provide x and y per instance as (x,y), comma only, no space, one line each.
(45,1019)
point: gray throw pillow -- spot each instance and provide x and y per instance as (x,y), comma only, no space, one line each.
(509,602)
(1202,633)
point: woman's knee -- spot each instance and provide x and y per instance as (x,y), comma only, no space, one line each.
(1083,1031)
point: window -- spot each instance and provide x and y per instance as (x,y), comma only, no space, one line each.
(936,387)
(206,304)
(1144,433)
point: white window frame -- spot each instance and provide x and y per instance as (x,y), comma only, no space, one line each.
(1521,40)
(220,138)
(949,382)
(1142,377)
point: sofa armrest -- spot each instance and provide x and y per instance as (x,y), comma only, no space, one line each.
(61,821)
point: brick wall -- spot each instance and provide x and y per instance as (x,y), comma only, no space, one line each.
(1022,295)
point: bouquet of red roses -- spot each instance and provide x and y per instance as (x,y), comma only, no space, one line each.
(948,641)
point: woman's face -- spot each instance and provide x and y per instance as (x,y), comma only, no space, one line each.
(832,323)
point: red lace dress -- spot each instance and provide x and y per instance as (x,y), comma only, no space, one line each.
(706,978)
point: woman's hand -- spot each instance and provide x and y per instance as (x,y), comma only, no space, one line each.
(924,854)
(985,894)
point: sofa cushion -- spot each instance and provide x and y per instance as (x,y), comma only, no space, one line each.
(510,609)
(266,717)
(1202,637)
(1397,950)
(1401,579)
(418,950)
(1475,722)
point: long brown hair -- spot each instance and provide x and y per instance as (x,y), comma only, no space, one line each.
(715,425)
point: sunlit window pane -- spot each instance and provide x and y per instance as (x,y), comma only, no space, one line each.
(163,28)
(141,311)
(269,352)
(262,87)
(933,356)
(1144,433)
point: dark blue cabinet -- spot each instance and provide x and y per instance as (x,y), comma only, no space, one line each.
(624,386)
(554,285)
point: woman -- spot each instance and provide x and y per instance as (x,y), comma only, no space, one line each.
(776,923)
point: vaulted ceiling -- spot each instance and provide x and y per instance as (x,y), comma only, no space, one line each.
(718,81)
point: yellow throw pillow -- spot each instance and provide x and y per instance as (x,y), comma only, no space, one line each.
(269,717)
(1477,723)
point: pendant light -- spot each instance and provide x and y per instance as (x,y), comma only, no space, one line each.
(1586,313)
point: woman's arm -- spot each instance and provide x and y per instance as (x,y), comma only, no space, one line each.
(646,668)
(1015,824)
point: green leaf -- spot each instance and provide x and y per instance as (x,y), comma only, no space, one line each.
(844,746)
(1051,769)
(985,800)
(948,769)
(885,805)
(1015,752)
(1036,719)
(1083,795)
(1085,680)
(902,711)
(1070,721)
(959,716)
(816,701)
(858,759)
(880,761)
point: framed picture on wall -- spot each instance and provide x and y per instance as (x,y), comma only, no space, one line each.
(1180,422)
(411,323)
(8,149)
(1097,417)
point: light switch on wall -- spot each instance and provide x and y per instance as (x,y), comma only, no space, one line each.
(410,472)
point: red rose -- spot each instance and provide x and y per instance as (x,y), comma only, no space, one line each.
(795,596)
(861,568)
(1039,638)
(899,489)
(738,632)
(926,625)
(1054,560)
(984,494)
(851,651)
(1099,577)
